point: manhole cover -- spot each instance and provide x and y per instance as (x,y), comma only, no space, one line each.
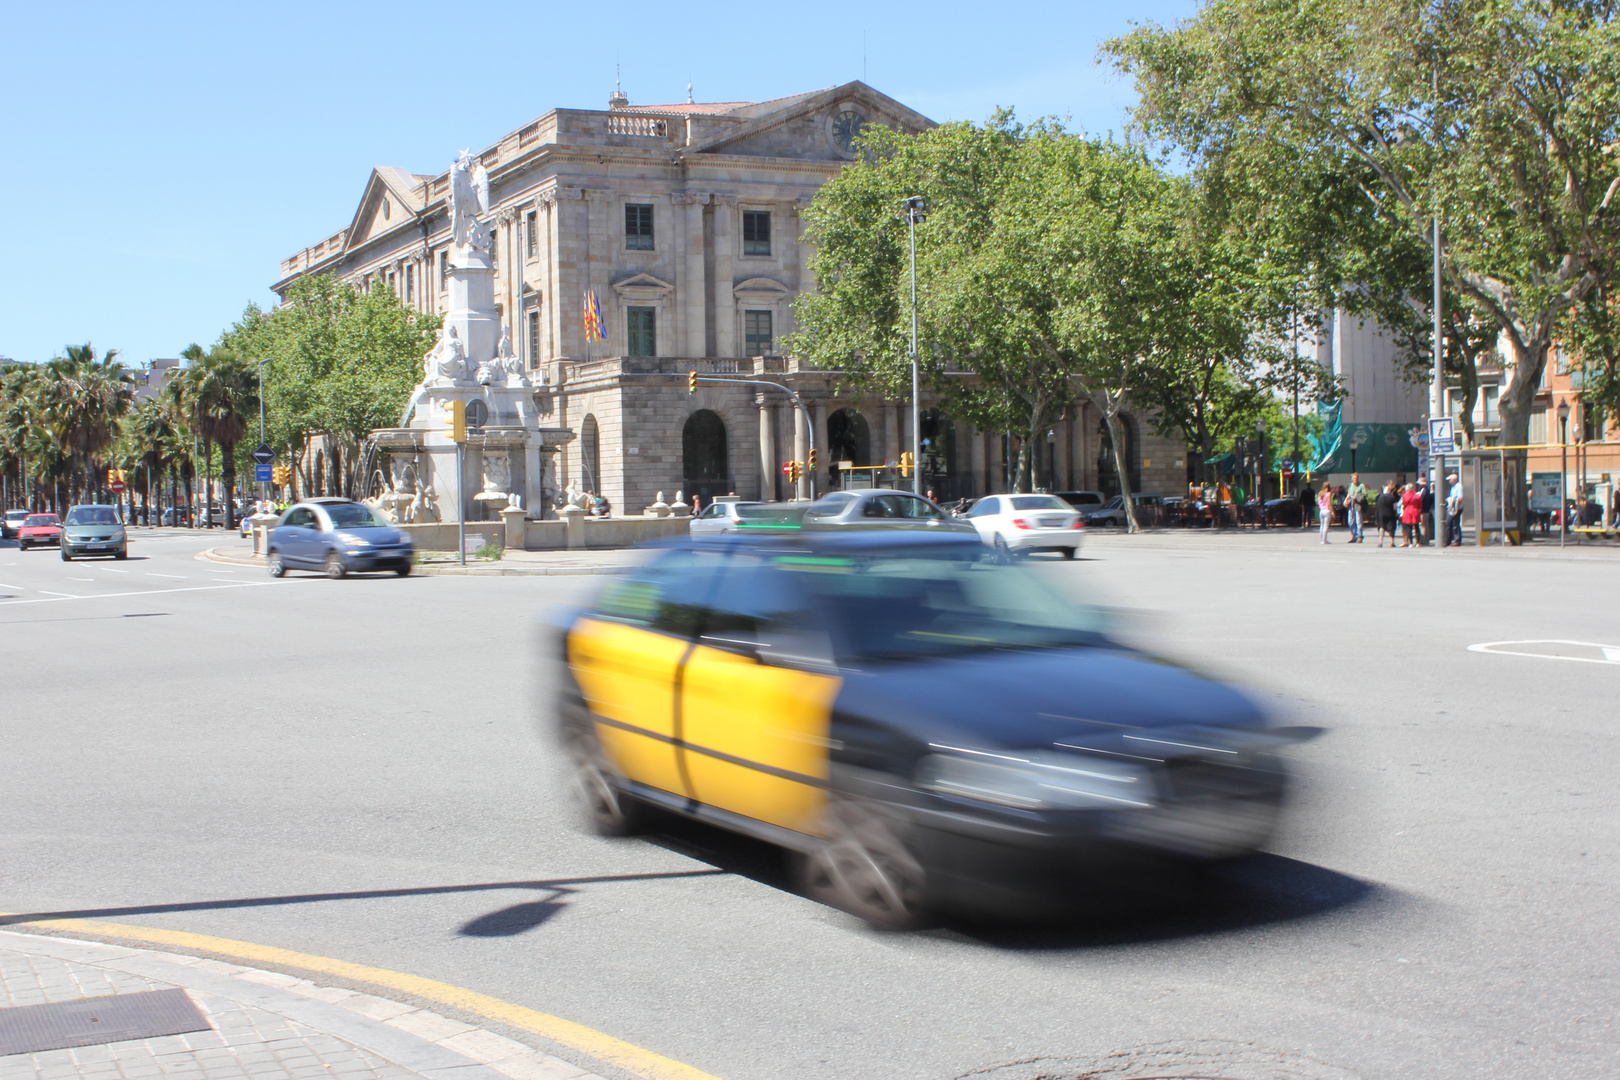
(29,1029)
(1201,1059)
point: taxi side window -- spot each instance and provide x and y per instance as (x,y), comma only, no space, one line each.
(760,609)
(669,595)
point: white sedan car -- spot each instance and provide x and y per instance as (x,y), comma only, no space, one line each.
(725,517)
(1021,523)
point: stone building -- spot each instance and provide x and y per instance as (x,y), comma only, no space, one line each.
(683,222)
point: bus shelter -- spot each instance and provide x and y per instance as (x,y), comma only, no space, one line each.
(1493,488)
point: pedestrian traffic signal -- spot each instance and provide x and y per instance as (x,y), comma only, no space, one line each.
(458,421)
(810,465)
(908,462)
(691,381)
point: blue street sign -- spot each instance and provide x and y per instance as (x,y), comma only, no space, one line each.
(263,474)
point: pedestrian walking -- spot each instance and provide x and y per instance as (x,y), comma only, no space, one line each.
(1454,510)
(1386,513)
(1307,499)
(1426,493)
(1324,510)
(1355,498)
(1411,515)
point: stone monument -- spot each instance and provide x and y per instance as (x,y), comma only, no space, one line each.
(510,458)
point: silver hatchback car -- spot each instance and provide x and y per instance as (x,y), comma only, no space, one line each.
(880,508)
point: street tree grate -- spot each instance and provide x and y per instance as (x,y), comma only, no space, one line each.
(29,1029)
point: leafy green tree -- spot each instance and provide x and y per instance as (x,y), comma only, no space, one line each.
(1500,117)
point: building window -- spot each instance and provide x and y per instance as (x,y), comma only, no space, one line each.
(444,270)
(534,338)
(638,227)
(1538,425)
(756,333)
(387,209)
(391,286)
(641,338)
(531,232)
(410,284)
(495,246)
(756,232)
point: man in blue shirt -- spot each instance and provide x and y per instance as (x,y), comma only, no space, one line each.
(1454,509)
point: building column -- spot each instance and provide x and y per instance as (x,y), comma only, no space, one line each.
(800,449)
(767,449)
(726,342)
(818,416)
(689,286)
(976,464)
(1064,480)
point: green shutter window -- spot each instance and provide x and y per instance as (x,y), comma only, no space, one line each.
(756,232)
(756,333)
(641,338)
(638,228)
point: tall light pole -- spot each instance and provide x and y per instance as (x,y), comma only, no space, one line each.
(916,211)
(261,421)
(1437,388)
(1563,471)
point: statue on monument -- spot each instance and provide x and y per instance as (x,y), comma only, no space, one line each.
(469,198)
(446,363)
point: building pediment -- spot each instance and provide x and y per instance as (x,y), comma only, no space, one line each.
(392,199)
(642,287)
(759,290)
(781,132)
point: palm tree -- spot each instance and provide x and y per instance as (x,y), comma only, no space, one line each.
(153,436)
(219,391)
(84,399)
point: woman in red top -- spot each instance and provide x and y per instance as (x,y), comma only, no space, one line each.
(1411,514)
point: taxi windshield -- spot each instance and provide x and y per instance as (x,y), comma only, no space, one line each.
(909,605)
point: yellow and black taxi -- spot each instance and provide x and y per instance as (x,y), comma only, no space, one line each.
(924,726)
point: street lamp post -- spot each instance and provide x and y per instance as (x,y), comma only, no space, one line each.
(261,420)
(915,212)
(1563,471)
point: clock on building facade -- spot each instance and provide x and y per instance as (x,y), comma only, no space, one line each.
(845,126)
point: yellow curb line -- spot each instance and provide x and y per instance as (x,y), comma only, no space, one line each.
(617,1052)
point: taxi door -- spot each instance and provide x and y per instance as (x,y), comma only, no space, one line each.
(756,711)
(627,655)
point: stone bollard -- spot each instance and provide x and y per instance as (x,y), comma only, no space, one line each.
(574,519)
(514,517)
(262,524)
(679,508)
(659,508)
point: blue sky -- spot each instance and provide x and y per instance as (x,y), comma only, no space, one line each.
(159,159)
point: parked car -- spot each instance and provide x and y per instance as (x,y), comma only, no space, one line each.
(880,508)
(1082,500)
(93,530)
(1022,523)
(39,530)
(176,515)
(339,536)
(734,515)
(922,728)
(12,522)
(1113,511)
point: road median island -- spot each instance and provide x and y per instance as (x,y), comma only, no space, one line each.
(445,564)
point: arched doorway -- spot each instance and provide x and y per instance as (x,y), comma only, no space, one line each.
(849,438)
(705,456)
(590,455)
(1107,474)
(938,465)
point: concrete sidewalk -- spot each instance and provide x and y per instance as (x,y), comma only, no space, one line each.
(511,564)
(1099,540)
(264,1025)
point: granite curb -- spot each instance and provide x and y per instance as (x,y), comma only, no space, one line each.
(220,555)
(265,1024)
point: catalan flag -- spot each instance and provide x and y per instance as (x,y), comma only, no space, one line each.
(593,318)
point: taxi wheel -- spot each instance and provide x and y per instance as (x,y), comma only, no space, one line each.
(608,810)
(865,869)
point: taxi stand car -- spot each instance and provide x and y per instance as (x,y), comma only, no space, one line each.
(922,725)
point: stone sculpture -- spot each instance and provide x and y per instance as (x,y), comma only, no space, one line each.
(446,363)
(469,198)
(423,508)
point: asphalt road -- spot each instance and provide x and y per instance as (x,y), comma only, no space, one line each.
(352,769)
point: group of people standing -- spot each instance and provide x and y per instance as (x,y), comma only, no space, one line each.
(1410,507)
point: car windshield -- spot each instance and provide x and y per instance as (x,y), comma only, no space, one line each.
(903,605)
(92,515)
(1038,502)
(355,516)
(41,519)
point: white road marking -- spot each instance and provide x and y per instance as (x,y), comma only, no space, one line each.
(47,592)
(176,577)
(3,585)
(58,597)
(1611,653)
(110,570)
(81,579)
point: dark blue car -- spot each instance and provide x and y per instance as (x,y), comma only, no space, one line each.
(924,726)
(337,536)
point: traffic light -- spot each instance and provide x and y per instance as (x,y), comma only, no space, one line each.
(795,471)
(458,421)
(112,475)
(810,466)
(908,462)
(281,475)
(691,381)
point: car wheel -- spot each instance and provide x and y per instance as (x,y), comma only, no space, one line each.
(334,566)
(403,571)
(608,810)
(1003,552)
(276,566)
(864,868)
(65,556)
(122,554)
(1068,553)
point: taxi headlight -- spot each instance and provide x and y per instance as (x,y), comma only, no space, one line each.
(1041,781)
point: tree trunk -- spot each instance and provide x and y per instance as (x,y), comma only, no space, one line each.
(227,457)
(1515,402)
(1116,435)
